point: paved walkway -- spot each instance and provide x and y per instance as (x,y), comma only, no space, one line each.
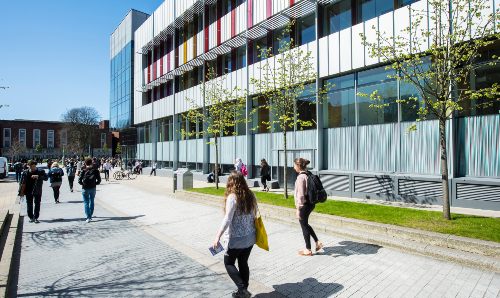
(133,250)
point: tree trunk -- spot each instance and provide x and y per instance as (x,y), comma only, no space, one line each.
(444,169)
(216,174)
(285,176)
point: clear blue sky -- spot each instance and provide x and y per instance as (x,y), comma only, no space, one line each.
(54,54)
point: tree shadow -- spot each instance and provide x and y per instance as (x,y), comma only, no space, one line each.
(95,219)
(309,287)
(348,248)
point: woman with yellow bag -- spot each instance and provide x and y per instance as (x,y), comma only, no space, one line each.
(238,227)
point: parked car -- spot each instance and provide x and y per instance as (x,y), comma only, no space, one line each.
(3,168)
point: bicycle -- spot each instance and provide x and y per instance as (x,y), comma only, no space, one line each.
(121,174)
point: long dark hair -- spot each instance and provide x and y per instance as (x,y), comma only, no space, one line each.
(245,199)
(263,163)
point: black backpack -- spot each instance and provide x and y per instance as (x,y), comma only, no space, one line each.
(89,178)
(56,175)
(316,193)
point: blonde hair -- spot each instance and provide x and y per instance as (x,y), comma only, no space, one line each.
(54,165)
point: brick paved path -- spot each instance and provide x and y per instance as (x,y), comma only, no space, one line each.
(133,255)
(64,256)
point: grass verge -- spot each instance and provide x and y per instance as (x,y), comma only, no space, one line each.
(484,228)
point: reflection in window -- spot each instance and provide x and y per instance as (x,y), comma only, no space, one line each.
(369,9)
(307,31)
(306,107)
(261,115)
(402,3)
(337,16)
(377,80)
(340,106)
(483,76)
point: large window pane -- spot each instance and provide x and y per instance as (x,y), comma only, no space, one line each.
(307,32)
(337,16)
(261,115)
(377,80)
(369,9)
(306,107)
(339,110)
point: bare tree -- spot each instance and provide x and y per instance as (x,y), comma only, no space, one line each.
(16,149)
(81,124)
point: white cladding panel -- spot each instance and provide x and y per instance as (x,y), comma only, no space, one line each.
(241,18)
(345,50)
(386,27)
(334,53)
(358,50)
(323,57)
(259,11)
(401,23)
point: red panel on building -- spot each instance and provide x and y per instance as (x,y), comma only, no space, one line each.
(233,18)
(219,17)
(269,8)
(162,49)
(206,32)
(149,67)
(250,13)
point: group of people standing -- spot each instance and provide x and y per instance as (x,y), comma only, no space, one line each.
(238,230)
(31,184)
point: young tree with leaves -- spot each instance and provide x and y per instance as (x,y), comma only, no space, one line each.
(283,80)
(221,114)
(438,56)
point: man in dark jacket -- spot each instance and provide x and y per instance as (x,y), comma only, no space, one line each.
(32,182)
(89,178)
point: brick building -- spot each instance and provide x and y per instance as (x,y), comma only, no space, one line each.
(51,135)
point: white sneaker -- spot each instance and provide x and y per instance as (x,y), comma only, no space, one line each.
(88,220)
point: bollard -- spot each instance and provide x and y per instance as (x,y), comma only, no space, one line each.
(175,182)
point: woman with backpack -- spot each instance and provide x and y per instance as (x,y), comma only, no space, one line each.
(240,167)
(238,227)
(265,174)
(55,179)
(89,178)
(71,172)
(304,206)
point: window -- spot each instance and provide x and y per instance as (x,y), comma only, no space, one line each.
(402,3)
(484,76)
(6,138)
(376,80)
(337,16)
(307,30)
(260,49)
(261,115)
(280,40)
(241,57)
(50,139)
(103,139)
(64,137)
(36,137)
(369,9)
(22,137)
(306,107)
(339,110)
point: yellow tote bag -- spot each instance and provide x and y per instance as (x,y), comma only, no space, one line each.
(260,233)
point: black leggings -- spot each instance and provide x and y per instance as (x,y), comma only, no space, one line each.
(307,230)
(71,179)
(241,277)
(56,192)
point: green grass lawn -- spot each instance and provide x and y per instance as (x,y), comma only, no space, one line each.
(462,225)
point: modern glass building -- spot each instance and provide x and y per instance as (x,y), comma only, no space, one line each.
(122,80)
(358,151)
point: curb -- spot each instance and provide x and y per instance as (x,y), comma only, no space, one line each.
(471,252)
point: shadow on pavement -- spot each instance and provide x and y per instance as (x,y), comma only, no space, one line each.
(309,287)
(348,248)
(95,219)
(72,202)
(16,261)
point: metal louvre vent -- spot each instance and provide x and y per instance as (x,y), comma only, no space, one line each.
(379,184)
(335,182)
(419,188)
(474,192)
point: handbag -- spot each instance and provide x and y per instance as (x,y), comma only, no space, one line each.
(260,232)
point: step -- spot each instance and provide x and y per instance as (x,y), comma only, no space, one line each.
(477,253)
(8,239)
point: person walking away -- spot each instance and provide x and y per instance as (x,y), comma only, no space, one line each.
(31,186)
(106,167)
(153,169)
(89,178)
(71,171)
(265,174)
(238,227)
(304,207)
(18,168)
(238,165)
(55,179)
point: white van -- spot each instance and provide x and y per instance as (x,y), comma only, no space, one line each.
(4,171)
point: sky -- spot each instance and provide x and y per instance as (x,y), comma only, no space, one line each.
(54,54)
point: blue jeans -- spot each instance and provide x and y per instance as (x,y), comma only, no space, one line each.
(88,201)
